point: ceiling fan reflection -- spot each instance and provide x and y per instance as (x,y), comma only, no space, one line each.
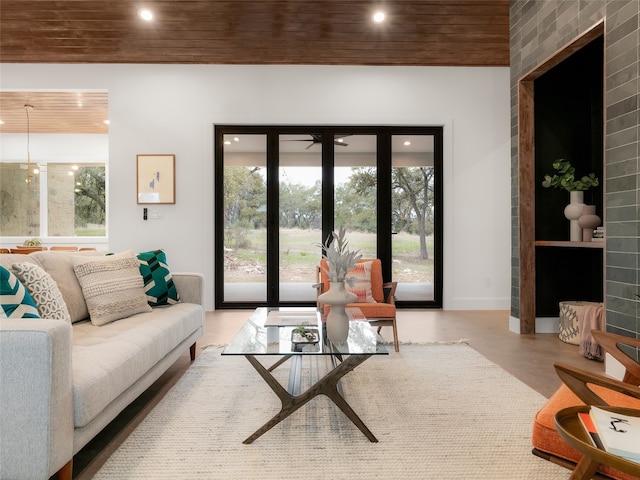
(317,139)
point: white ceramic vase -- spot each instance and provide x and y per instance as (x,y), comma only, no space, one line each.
(588,221)
(337,319)
(573,212)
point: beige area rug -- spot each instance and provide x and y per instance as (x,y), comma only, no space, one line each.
(438,411)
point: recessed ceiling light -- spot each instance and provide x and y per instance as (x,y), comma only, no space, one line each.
(146,14)
(407,143)
(236,139)
(379,16)
(227,142)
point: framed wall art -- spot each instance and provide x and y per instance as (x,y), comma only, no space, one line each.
(156,178)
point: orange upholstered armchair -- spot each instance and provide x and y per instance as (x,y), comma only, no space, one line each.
(581,387)
(376,303)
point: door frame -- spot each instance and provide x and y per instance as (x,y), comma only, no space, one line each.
(384,208)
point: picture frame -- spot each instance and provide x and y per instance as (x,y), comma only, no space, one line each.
(156,178)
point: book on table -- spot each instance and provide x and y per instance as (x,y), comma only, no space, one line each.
(619,434)
(589,426)
(290,318)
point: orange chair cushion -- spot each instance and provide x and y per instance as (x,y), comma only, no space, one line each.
(376,277)
(371,310)
(546,438)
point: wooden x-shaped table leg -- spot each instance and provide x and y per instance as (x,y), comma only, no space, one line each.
(327,385)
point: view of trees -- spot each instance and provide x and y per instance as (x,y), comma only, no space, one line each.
(300,206)
(90,196)
(355,203)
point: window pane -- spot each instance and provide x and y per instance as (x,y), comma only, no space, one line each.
(356,181)
(89,195)
(245,207)
(19,202)
(300,228)
(60,200)
(413,214)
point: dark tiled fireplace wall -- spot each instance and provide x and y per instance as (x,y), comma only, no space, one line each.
(540,28)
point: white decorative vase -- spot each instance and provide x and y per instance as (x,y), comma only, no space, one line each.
(337,320)
(588,221)
(573,212)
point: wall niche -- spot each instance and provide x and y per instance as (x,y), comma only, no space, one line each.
(560,117)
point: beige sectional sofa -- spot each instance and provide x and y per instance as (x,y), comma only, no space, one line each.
(62,382)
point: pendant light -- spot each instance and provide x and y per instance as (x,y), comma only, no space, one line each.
(28,107)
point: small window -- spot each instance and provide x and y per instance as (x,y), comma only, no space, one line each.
(61,200)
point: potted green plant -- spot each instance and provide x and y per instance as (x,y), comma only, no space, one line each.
(565,179)
(303,334)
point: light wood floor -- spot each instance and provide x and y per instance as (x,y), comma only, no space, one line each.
(530,358)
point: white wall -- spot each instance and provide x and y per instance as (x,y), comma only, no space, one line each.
(172,109)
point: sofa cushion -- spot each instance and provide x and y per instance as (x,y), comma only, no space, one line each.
(109,359)
(43,290)
(60,266)
(158,283)
(112,287)
(15,301)
(8,259)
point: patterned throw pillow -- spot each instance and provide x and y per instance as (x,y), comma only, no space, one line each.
(15,301)
(112,287)
(43,290)
(362,282)
(158,283)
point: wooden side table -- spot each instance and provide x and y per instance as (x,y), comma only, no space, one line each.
(571,430)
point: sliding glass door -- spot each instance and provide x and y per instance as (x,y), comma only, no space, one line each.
(280,191)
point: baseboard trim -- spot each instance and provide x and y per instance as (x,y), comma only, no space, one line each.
(543,324)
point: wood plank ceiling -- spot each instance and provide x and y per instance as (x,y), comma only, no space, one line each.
(294,32)
(54,112)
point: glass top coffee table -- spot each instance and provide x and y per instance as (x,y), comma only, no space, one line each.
(271,332)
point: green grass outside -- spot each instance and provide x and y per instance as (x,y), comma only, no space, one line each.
(299,253)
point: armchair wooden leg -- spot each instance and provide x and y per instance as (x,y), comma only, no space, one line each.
(192,352)
(396,343)
(66,472)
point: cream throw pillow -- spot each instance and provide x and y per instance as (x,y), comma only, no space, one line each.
(112,287)
(43,290)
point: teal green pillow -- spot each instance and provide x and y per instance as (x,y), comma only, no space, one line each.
(14,297)
(158,283)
